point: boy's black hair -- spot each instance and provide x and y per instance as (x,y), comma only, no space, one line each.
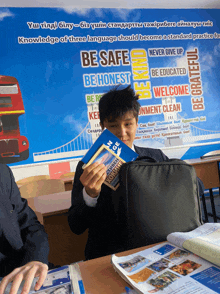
(116,103)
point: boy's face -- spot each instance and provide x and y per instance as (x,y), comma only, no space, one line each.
(123,127)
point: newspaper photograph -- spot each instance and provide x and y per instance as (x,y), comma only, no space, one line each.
(169,269)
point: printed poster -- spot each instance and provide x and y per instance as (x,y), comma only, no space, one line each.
(56,64)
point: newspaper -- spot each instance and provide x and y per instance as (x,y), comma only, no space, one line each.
(166,268)
(203,241)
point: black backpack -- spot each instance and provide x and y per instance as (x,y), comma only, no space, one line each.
(156,199)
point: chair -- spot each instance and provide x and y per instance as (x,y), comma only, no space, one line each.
(68,175)
(68,178)
(211,154)
(32,179)
(41,187)
(210,184)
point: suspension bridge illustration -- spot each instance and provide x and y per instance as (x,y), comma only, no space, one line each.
(78,146)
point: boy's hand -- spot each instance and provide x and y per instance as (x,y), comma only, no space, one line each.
(92,178)
(27,273)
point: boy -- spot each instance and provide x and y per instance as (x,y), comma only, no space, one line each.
(24,244)
(92,203)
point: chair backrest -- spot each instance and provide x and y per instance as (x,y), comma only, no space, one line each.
(211,153)
(41,187)
(68,175)
(32,179)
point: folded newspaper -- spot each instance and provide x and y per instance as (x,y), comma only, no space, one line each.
(187,263)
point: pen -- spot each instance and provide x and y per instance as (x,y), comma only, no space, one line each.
(130,291)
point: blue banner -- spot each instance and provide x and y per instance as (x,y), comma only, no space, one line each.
(64,60)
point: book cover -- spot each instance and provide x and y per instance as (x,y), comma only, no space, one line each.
(112,162)
(57,281)
(114,144)
(63,280)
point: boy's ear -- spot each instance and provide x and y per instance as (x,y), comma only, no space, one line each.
(101,125)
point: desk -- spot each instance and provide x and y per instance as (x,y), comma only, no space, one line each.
(100,277)
(207,169)
(68,183)
(51,210)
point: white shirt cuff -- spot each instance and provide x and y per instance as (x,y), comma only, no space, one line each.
(90,201)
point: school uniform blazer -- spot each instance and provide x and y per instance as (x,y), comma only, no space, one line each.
(104,234)
(20,231)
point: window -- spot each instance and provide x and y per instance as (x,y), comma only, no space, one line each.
(9,122)
(8,89)
(5,102)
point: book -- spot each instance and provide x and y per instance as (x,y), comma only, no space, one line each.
(186,263)
(112,162)
(112,152)
(114,144)
(63,280)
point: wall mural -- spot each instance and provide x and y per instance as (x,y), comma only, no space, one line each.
(13,146)
(56,64)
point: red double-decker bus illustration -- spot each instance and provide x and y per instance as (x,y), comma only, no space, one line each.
(13,146)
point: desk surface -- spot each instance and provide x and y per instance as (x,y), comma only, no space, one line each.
(52,203)
(67,179)
(99,275)
(202,161)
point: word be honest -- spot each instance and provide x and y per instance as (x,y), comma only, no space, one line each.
(106,79)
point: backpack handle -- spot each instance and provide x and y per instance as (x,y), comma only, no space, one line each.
(146,158)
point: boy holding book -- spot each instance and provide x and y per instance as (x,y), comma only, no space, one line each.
(92,202)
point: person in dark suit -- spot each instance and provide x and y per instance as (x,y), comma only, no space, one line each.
(93,206)
(24,244)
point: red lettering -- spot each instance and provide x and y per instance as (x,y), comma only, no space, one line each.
(177,90)
(93,115)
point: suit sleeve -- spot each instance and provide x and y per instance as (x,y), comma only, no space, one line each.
(80,214)
(35,241)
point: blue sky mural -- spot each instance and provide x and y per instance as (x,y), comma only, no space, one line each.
(50,73)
